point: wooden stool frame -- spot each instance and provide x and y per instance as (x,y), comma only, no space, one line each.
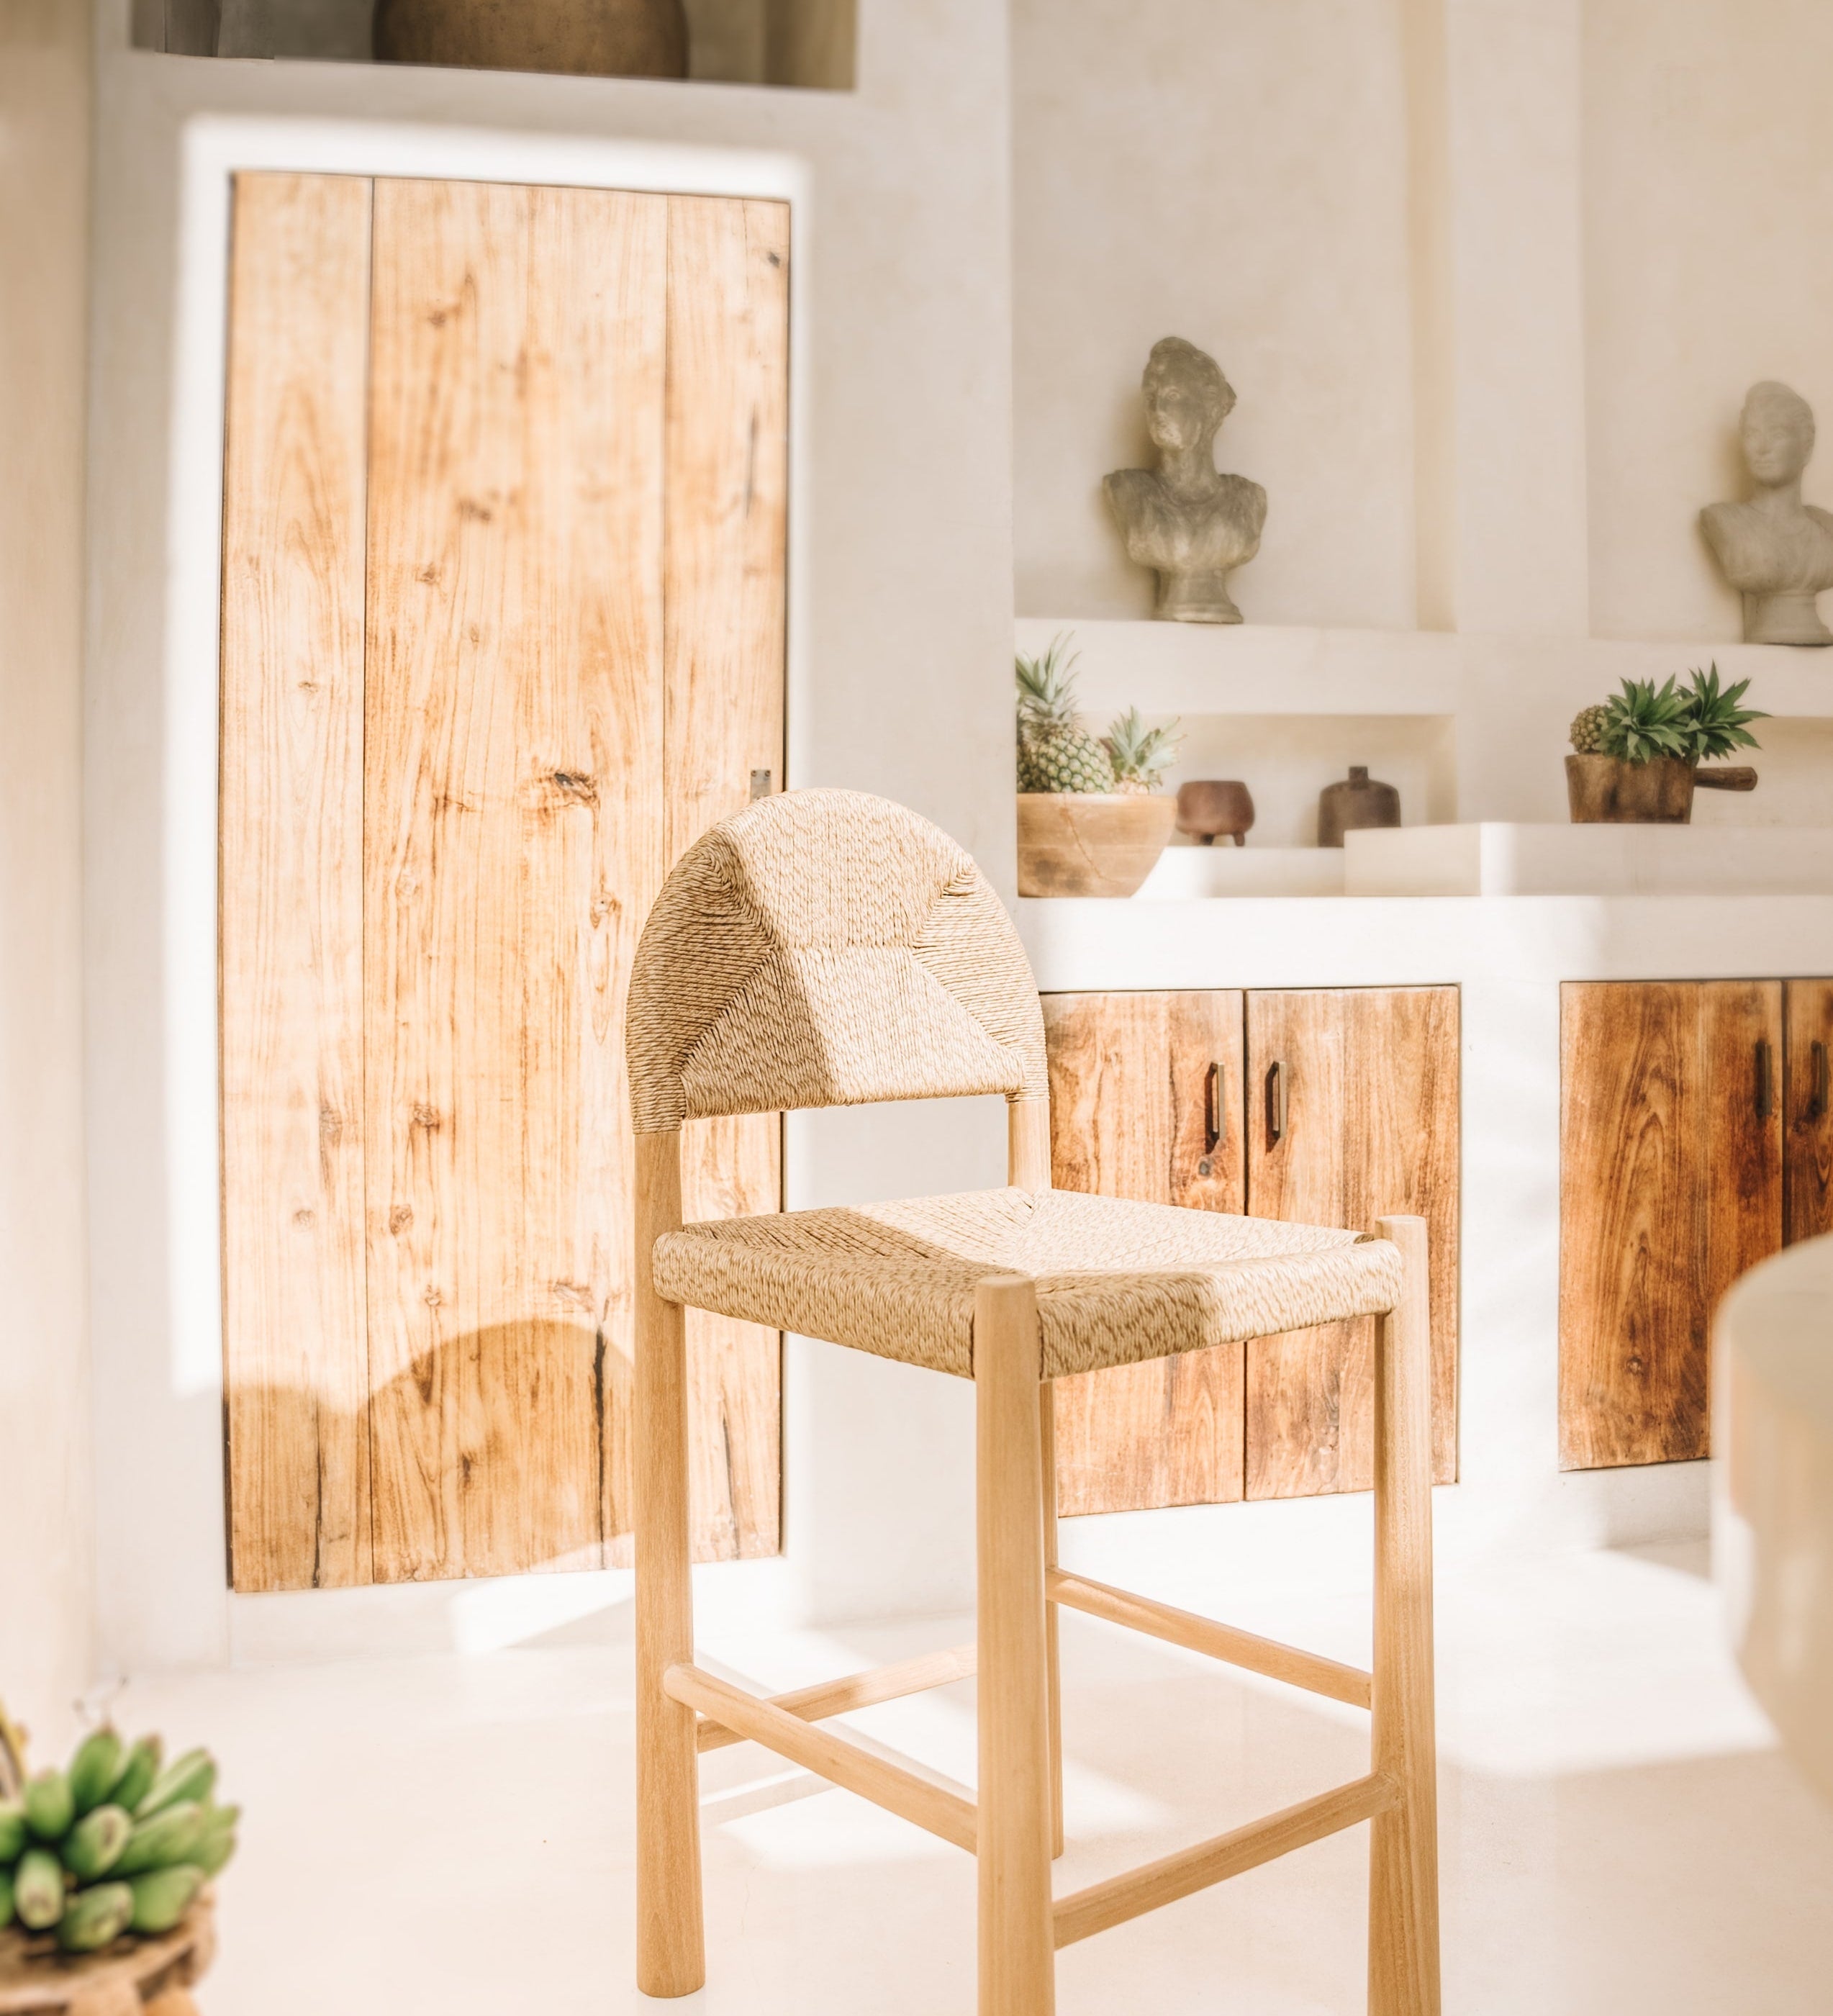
(1014,1828)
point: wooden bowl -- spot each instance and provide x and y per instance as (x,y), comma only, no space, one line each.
(1089,844)
(1215,809)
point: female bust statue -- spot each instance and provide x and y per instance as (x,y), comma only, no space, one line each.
(1776,550)
(1182,518)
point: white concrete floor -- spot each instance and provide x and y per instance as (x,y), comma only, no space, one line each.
(453,1835)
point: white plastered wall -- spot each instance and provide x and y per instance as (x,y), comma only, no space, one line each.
(46,1527)
(900,613)
(1709,184)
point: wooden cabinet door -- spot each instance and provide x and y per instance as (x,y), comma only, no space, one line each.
(1352,1111)
(1670,1186)
(1807,1108)
(1145,1102)
(502,633)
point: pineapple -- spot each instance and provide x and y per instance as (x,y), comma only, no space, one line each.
(1141,755)
(1055,753)
(1588,726)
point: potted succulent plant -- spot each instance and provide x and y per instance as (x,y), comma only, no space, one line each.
(1092,814)
(104,1870)
(1636,757)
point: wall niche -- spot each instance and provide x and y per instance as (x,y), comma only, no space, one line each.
(805,44)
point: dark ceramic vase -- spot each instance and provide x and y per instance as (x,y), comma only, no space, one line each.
(584,37)
(1359,801)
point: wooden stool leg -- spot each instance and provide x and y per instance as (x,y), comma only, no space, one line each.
(1017,1957)
(1403,1852)
(671,1957)
(1053,1660)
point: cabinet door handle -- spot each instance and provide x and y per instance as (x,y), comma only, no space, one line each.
(1817,1104)
(1766,1095)
(1212,1129)
(1276,1104)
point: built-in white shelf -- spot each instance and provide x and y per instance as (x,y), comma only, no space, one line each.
(1503,858)
(1198,668)
(1183,873)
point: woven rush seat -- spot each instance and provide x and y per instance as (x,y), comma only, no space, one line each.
(1117,1282)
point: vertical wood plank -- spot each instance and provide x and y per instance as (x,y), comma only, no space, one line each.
(725,546)
(1631,1338)
(1807,1109)
(1741,1163)
(514,817)
(1372,1107)
(1130,1097)
(296,1368)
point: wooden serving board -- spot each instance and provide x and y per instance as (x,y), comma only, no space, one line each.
(152,1977)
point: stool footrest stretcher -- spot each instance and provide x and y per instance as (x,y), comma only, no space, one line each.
(1265,1656)
(1102,1905)
(905,1787)
(882,1684)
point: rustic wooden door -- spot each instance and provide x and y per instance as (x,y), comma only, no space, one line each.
(1671,1185)
(502,631)
(1807,1108)
(1353,1111)
(1145,1102)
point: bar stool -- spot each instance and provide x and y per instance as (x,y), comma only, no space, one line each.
(823,948)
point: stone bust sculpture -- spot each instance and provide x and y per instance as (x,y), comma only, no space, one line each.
(1777,551)
(1190,524)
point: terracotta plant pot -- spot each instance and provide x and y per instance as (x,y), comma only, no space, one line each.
(1089,844)
(584,37)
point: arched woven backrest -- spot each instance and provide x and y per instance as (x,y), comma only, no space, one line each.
(825,948)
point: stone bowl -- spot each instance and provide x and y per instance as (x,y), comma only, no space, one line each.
(1088,843)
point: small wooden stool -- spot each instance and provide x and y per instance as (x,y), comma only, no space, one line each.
(149,1977)
(825,948)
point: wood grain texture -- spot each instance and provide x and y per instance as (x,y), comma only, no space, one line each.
(1403,1956)
(296,1355)
(1670,1184)
(1130,1098)
(1102,1906)
(670,1940)
(726,553)
(1013,1840)
(515,819)
(857,1690)
(1807,1108)
(1298,1668)
(1372,1125)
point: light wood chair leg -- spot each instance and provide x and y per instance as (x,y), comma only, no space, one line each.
(1052,1659)
(1403,1851)
(671,1957)
(1018,1964)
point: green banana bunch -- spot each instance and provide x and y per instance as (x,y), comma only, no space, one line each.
(137,1776)
(114,1844)
(95,1918)
(37,1889)
(162,1896)
(95,1769)
(93,1846)
(50,1808)
(191,1779)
